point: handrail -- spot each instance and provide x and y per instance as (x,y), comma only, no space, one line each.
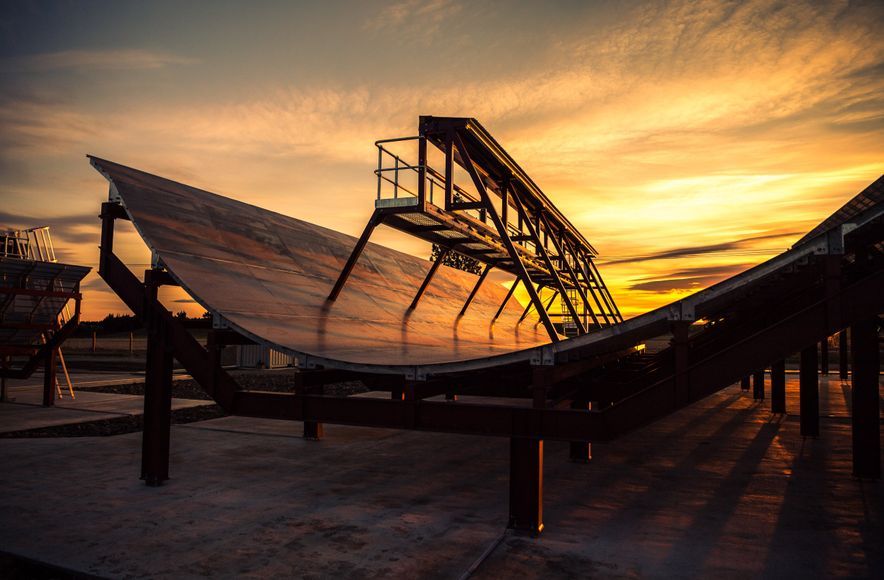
(28,244)
(435,177)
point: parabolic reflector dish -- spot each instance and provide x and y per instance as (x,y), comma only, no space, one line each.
(268,276)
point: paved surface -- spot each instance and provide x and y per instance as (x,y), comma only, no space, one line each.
(26,410)
(722,489)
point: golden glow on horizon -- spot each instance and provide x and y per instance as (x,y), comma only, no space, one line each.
(688,141)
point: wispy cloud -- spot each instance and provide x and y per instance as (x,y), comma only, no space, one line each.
(118,59)
(680,137)
(722,248)
(413,19)
(688,279)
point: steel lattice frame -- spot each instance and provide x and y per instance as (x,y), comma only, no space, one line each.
(565,268)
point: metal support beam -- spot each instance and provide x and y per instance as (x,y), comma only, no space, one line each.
(49,376)
(580,451)
(745,383)
(157,396)
(843,354)
(110,211)
(449,170)
(824,357)
(503,304)
(373,222)
(588,279)
(432,272)
(526,485)
(559,285)
(758,385)
(681,353)
(531,306)
(475,289)
(603,290)
(778,386)
(866,420)
(422,170)
(504,235)
(809,397)
(313,430)
(560,249)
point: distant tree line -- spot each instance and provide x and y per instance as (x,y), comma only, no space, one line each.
(113,323)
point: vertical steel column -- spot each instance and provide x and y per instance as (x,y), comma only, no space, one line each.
(758,385)
(745,383)
(843,354)
(449,170)
(49,376)
(824,357)
(422,170)
(526,485)
(866,420)
(526,469)
(313,430)
(809,396)
(682,360)
(580,451)
(157,393)
(778,386)
(108,215)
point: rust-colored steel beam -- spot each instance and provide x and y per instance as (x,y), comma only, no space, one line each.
(39,353)
(373,222)
(436,416)
(509,295)
(157,392)
(430,273)
(750,349)
(865,410)
(758,385)
(578,262)
(50,370)
(475,289)
(778,386)
(552,269)
(504,235)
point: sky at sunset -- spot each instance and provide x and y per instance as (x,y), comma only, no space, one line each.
(686,140)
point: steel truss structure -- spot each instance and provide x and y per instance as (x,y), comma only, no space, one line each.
(591,388)
(527,235)
(35,291)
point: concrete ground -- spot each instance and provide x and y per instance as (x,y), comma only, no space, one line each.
(721,489)
(25,411)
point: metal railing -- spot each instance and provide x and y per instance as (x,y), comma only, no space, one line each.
(435,180)
(30,244)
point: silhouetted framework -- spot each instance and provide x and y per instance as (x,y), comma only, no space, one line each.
(34,293)
(507,223)
(594,387)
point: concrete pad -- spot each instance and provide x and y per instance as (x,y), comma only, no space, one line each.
(27,412)
(722,488)
(18,417)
